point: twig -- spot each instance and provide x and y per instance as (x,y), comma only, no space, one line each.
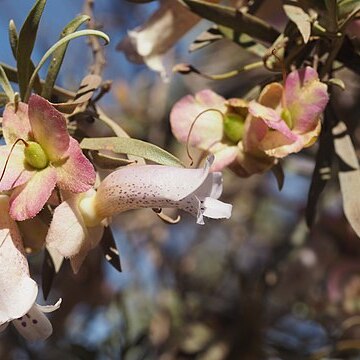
(98,51)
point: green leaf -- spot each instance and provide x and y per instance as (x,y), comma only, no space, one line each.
(3,99)
(321,175)
(245,41)
(345,7)
(59,54)
(234,19)
(14,40)
(337,82)
(26,43)
(58,44)
(5,84)
(349,174)
(132,147)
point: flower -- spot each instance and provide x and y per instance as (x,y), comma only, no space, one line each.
(77,224)
(287,118)
(151,43)
(50,157)
(209,122)
(18,290)
(155,186)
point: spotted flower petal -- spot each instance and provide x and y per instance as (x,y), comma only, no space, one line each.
(208,129)
(153,186)
(18,290)
(28,199)
(34,325)
(48,127)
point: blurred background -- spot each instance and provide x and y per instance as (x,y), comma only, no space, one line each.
(258,286)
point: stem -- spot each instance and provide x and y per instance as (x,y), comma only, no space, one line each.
(8,157)
(227,75)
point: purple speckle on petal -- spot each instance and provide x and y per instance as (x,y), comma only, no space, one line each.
(23,323)
(34,321)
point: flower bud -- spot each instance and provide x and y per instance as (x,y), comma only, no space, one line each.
(35,155)
(234,127)
(286,116)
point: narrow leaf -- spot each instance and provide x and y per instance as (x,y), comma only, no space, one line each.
(132,147)
(349,174)
(61,42)
(51,266)
(245,41)
(26,43)
(110,250)
(321,175)
(5,84)
(14,41)
(337,82)
(278,172)
(59,54)
(13,38)
(206,38)
(301,19)
(234,19)
(88,86)
(3,99)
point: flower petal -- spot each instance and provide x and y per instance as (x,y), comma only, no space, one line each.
(17,172)
(16,125)
(94,236)
(48,127)
(302,141)
(158,35)
(203,201)
(67,231)
(224,156)
(146,186)
(271,119)
(18,290)
(28,199)
(75,172)
(35,325)
(306,98)
(208,129)
(271,95)
(249,163)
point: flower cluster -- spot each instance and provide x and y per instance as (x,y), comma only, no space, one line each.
(40,161)
(250,137)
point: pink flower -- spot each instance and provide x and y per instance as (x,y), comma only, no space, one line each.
(50,157)
(77,225)
(287,119)
(220,128)
(18,290)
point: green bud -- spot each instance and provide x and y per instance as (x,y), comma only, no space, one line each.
(35,155)
(234,127)
(286,116)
